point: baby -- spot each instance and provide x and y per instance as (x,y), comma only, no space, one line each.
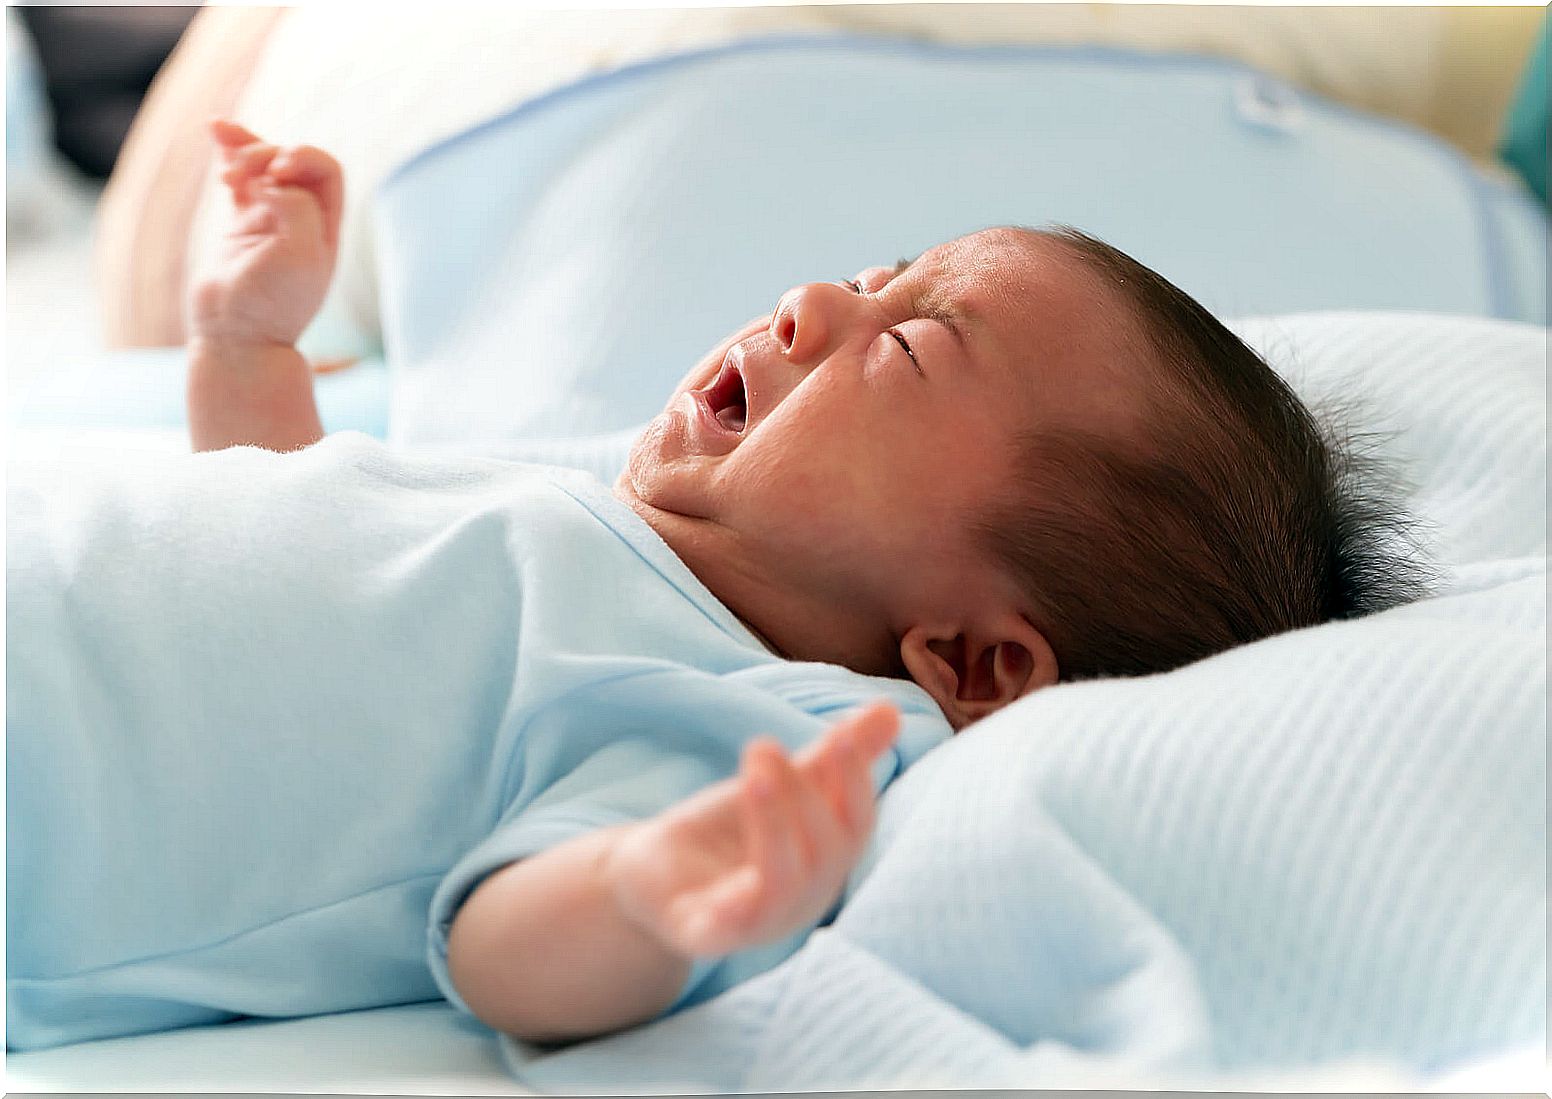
(289,703)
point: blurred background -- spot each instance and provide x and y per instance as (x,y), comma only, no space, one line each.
(75,77)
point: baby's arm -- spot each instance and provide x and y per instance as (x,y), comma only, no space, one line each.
(599,933)
(247,383)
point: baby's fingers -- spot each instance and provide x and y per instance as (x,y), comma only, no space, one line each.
(719,919)
(250,160)
(841,761)
(810,821)
(872,730)
(231,135)
(767,817)
(864,734)
(244,167)
(236,144)
(314,170)
(254,220)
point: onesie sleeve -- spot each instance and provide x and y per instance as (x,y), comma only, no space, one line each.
(630,747)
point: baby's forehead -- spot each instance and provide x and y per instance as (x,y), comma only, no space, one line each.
(996,270)
(1001,252)
(1021,285)
(1048,322)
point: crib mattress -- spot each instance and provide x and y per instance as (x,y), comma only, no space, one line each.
(414,1049)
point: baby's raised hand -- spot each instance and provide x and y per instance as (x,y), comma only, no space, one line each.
(278,254)
(761,855)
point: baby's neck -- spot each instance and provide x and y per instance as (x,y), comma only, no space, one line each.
(790,618)
(760,637)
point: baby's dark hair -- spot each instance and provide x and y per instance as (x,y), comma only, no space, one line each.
(1242,519)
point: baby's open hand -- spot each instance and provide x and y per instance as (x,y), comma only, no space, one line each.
(761,855)
(278,254)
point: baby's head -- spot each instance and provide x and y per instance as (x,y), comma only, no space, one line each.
(1020,458)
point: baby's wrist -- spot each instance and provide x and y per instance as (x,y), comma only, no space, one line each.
(255,393)
(614,876)
(237,350)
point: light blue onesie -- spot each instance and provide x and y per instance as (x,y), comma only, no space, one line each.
(270,718)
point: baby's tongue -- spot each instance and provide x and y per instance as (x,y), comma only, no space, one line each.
(732,418)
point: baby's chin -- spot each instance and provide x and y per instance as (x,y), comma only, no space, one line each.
(665,474)
(650,454)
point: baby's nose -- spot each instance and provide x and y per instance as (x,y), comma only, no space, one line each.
(784,325)
(807,318)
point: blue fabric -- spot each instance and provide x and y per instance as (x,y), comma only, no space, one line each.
(270,717)
(555,270)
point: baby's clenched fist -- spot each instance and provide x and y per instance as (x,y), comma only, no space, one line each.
(278,254)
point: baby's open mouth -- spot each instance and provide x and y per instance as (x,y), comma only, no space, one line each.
(726,398)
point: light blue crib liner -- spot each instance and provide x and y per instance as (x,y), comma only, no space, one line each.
(1510,227)
(437,245)
(567,260)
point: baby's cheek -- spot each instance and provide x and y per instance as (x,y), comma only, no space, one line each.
(839,499)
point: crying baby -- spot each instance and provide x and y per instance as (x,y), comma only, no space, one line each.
(301,724)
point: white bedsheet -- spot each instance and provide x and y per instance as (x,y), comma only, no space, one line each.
(419,1049)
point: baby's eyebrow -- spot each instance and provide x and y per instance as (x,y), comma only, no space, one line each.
(946,315)
(930,309)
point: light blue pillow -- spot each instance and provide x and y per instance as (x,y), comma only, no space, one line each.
(555,270)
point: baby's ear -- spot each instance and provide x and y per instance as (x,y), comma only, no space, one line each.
(971,673)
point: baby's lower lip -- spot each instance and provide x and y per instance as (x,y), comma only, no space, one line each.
(703,407)
(711,435)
